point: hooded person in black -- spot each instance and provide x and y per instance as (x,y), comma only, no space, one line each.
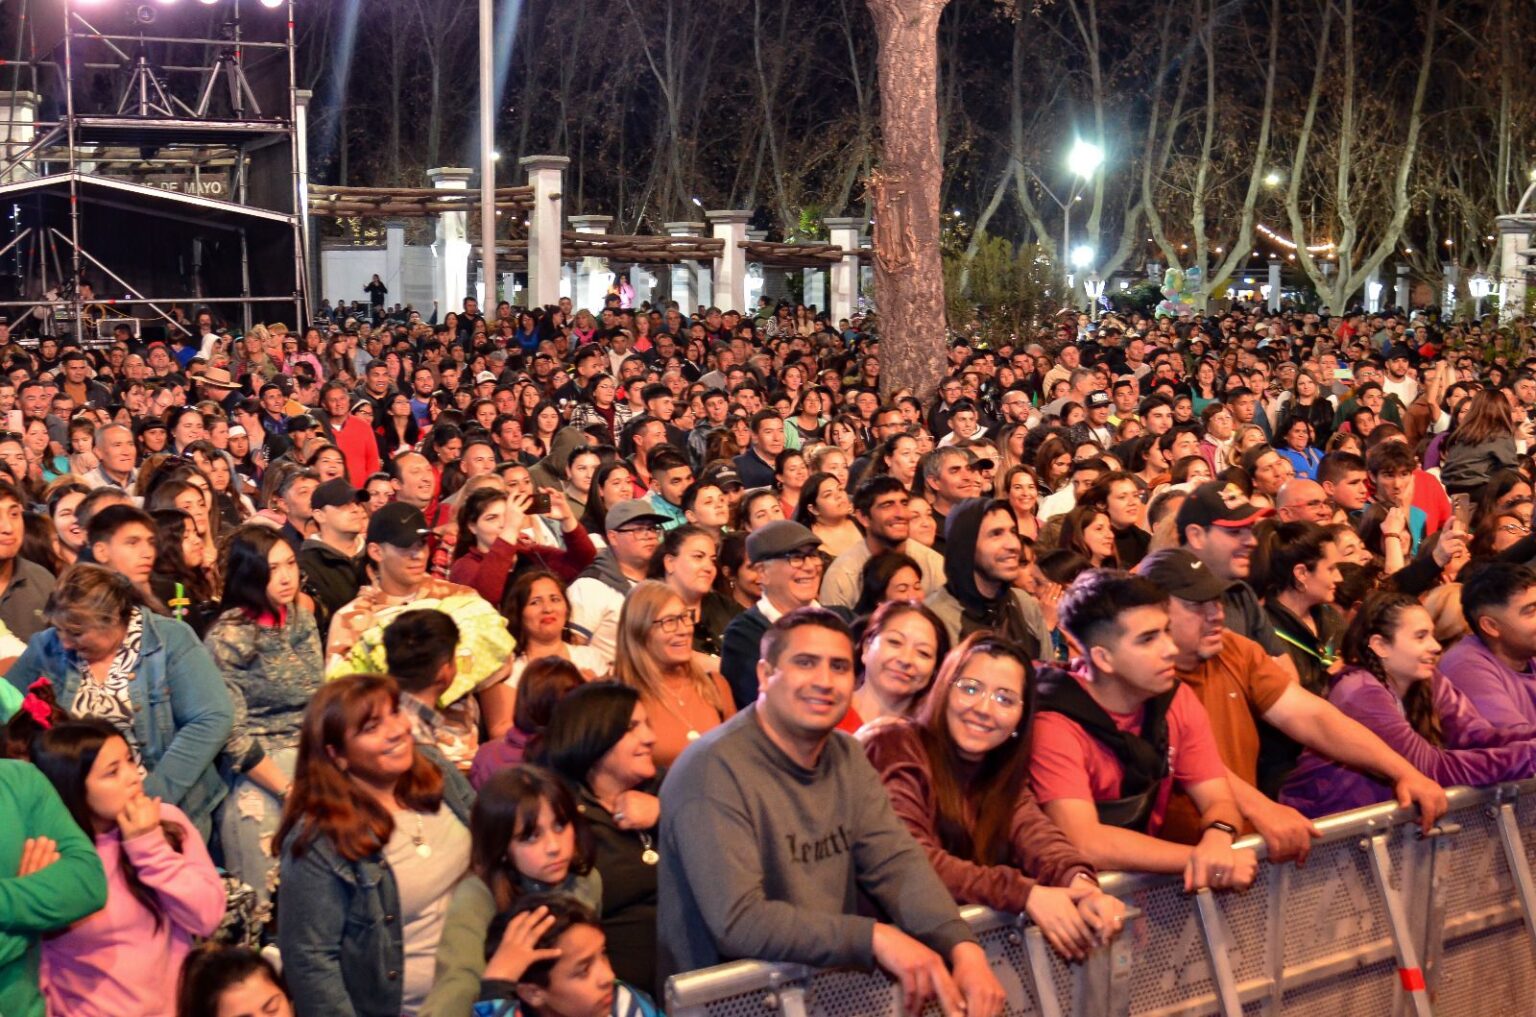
(982,561)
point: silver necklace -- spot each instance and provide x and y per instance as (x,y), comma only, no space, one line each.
(419,838)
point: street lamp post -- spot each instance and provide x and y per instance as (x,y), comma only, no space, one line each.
(1083,161)
(487,158)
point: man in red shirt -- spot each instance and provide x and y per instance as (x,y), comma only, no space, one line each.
(354,437)
(1113,738)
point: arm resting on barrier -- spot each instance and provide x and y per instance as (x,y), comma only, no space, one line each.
(1319,725)
(1039,849)
(1111,848)
(1287,833)
(718,855)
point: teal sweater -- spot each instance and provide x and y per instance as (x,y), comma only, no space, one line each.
(51,898)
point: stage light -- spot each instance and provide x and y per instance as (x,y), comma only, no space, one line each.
(165,3)
(271,5)
(209,3)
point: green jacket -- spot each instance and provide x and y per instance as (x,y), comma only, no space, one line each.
(51,898)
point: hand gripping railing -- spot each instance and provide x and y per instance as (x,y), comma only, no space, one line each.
(1381,920)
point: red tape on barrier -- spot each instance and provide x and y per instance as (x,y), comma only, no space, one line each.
(1412,979)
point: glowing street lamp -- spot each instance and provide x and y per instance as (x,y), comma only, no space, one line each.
(1479,286)
(1085,158)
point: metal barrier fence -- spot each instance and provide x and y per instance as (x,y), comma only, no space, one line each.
(1380,921)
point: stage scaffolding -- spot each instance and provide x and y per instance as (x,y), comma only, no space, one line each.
(154,149)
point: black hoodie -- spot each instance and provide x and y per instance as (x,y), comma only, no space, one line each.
(1000,614)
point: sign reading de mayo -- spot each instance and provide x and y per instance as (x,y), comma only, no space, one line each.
(206,187)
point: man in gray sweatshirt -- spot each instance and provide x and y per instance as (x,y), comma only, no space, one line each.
(773,824)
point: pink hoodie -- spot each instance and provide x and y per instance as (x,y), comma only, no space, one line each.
(115,963)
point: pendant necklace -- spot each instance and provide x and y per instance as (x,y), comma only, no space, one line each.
(419,838)
(682,704)
(649,855)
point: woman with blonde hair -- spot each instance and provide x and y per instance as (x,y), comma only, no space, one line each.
(654,656)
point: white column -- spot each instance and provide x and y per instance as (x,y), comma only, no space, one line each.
(847,234)
(18,114)
(1373,290)
(450,275)
(814,288)
(1452,281)
(1514,242)
(730,226)
(762,281)
(644,282)
(691,281)
(394,261)
(1274,285)
(1404,293)
(593,275)
(682,272)
(546,174)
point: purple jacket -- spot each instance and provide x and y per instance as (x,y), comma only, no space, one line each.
(1505,698)
(1475,752)
(502,754)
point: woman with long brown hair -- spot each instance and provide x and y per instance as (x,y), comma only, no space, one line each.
(654,655)
(1482,444)
(373,839)
(958,777)
(1393,685)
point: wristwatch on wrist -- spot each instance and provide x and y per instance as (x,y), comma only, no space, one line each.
(1226,828)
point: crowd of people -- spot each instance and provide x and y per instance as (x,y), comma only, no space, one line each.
(514,663)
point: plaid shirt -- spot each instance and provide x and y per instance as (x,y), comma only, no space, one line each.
(453,730)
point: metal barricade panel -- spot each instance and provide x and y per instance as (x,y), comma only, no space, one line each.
(1331,910)
(848,993)
(1247,917)
(1321,930)
(1488,973)
(1366,992)
(1473,860)
(1170,960)
(1487,965)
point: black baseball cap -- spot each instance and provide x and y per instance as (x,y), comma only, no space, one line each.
(301,422)
(399,525)
(1218,503)
(336,493)
(1178,571)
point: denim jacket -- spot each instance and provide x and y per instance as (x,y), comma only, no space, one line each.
(338,923)
(181,710)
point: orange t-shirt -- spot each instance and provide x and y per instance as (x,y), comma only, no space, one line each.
(1236,687)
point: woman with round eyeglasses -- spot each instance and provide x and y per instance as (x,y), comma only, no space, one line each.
(958,777)
(654,655)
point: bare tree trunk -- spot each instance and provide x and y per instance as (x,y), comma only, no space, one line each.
(768,92)
(1354,266)
(396,84)
(909,276)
